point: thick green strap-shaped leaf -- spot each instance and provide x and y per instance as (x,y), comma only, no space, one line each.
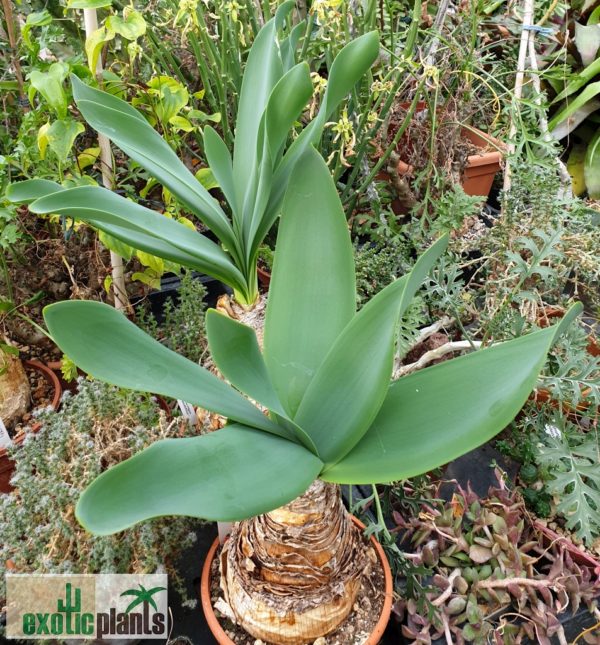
(442,412)
(347,69)
(312,292)
(263,69)
(104,344)
(579,80)
(123,230)
(219,160)
(115,119)
(236,353)
(592,167)
(141,228)
(286,102)
(571,108)
(257,199)
(228,475)
(161,248)
(288,45)
(25,192)
(362,359)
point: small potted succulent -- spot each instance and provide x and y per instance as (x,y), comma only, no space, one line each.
(333,416)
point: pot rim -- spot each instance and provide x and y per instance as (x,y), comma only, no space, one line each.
(222,638)
(583,558)
(51,377)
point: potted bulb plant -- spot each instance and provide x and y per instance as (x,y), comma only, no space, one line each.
(333,415)
(274,92)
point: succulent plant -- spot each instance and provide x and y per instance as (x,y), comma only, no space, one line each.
(491,579)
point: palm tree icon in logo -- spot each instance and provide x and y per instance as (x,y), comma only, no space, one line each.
(142,596)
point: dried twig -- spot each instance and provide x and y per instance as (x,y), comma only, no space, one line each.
(441,599)
(433,354)
(504,583)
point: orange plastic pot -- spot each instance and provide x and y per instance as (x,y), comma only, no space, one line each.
(222,638)
(7,465)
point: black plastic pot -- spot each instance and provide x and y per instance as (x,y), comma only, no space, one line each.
(169,290)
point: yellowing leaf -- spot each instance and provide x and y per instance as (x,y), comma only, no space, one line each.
(116,246)
(94,43)
(152,262)
(147,278)
(592,167)
(131,26)
(575,166)
(206,178)
(61,136)
(108,283)
(186,222)
(42,139)
(88,157)
(181,123)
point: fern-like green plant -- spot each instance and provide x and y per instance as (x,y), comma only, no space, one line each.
(573,461)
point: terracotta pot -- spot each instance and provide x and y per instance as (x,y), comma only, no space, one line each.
(481,168)
(264,277)
(7,465)
(582,558)
(222,638)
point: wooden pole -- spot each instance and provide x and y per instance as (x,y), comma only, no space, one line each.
(90,18)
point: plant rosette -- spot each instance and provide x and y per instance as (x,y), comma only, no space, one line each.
(334,416)
(216,624)
(6,463)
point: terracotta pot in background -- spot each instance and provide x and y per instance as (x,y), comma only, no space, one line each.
(478,175)
(7,465)
(481,168)
(264,277)
(222,638)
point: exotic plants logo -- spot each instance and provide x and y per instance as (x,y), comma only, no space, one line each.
(86,606)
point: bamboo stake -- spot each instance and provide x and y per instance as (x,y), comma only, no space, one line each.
(535,78)
(90,18)
(10,28)
(528,6)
